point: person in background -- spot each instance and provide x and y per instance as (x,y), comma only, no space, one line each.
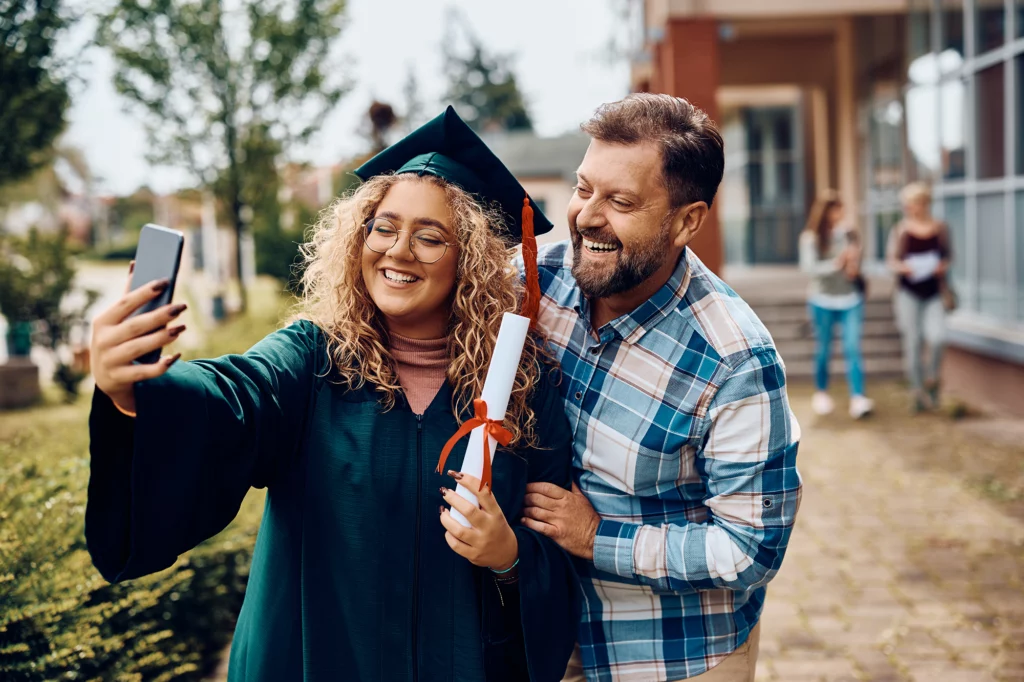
(918,252)
(830,252)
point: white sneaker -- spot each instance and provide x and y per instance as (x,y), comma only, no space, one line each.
(822,404)
(861,406)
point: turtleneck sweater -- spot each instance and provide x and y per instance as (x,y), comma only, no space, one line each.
(421,365)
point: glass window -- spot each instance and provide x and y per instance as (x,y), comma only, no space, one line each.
(991,235)
(953,26)
(919,29)
(883,224)
(990,24)
(1020,256)
(885,136)
(952,108)
(921,117)
(1019,65)
(954,212)
(988,116)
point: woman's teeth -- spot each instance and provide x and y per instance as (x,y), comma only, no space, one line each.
(600,247)
(399,277)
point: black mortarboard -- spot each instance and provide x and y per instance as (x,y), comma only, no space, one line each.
(448,148)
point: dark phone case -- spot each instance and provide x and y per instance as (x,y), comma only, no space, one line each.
(153,239)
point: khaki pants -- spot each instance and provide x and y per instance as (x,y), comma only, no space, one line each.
(739,666)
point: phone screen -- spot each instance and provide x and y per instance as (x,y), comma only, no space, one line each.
(157,257)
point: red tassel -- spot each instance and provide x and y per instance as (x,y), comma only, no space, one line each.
(531,300)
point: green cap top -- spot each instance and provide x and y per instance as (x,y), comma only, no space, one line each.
(448,148)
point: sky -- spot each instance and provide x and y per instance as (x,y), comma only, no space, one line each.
(562,66)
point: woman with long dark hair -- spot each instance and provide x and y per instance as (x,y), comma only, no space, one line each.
(830,252)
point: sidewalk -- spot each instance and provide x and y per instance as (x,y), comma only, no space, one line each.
(907,562)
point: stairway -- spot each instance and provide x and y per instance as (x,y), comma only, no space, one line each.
(778,296)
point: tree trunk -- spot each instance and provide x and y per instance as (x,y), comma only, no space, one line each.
(236,217)
(235,192)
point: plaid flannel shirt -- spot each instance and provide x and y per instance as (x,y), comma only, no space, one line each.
(686,446)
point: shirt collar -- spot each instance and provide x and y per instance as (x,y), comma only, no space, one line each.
(632,326)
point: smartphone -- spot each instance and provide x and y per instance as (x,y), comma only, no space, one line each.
(157,257)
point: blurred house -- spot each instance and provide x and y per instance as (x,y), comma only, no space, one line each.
(864,96)
(546,167)
(72,212)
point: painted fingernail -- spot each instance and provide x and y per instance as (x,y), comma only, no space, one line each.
(457,475)
(176,331)
(131,267)
(161,284)
(440,510)
(444,491)
(178,309)
(174,359)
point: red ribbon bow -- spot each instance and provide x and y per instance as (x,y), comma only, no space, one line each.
(492,427)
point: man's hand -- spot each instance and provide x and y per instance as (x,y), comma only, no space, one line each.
(564,516)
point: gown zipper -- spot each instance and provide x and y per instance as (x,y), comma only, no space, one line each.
(416,549)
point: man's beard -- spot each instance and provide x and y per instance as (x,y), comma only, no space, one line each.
(631,269)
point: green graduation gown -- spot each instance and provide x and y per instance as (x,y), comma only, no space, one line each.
(351,577)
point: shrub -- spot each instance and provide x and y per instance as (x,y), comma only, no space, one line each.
(59,619)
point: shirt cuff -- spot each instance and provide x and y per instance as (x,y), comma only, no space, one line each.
(613,547)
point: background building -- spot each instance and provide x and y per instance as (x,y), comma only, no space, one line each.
(865,96)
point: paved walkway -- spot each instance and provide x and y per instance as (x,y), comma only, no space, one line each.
(901,566)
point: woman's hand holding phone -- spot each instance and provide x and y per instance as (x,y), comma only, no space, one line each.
(118,339)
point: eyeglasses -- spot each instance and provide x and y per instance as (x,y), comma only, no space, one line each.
(427,244)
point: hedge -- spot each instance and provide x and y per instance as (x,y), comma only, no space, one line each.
(59,619)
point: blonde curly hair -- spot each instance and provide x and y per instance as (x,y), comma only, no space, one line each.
(335,298)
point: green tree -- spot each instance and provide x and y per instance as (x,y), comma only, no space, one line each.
(34,92)
(216,83)
(481,86)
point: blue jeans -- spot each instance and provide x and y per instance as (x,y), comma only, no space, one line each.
(853,323)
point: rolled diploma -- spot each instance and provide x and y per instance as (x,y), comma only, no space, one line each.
(501,375)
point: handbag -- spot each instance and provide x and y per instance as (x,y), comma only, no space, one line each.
(950,300)
(859,282)
(861,285)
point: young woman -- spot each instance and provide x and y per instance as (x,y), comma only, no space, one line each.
(919,254)
(830,253)
(342,416)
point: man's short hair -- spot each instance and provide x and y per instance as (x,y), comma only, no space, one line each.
(693,158)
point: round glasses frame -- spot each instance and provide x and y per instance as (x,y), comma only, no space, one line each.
(368,227)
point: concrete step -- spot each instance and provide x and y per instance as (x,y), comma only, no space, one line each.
(873,367)
(785,331)
(797,349)
(796,311)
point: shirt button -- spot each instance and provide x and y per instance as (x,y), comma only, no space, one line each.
(578,395)
(595,349)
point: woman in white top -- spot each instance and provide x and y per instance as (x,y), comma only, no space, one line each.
(830,252)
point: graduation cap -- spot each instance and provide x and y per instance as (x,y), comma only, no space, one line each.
(448,148)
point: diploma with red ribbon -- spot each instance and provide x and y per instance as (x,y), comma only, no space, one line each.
(485,428)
